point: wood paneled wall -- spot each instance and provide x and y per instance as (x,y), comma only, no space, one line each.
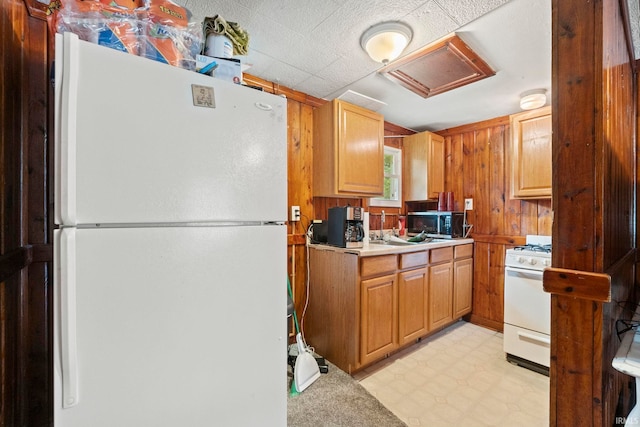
(25,300)
(594,179)
(477,165)
(300,181)
(477,161)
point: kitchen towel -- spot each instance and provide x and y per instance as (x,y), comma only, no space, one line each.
(238,36)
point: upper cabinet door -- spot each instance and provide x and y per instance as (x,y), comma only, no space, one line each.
(423,166)
(531,154)
(348,151)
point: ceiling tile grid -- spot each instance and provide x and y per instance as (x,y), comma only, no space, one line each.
(314,47)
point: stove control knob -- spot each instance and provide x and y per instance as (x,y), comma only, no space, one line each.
(546,263)
(521,260)
(532,261)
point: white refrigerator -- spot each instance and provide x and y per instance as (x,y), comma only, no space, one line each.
(170,245)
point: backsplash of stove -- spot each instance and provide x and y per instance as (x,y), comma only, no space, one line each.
(534,239)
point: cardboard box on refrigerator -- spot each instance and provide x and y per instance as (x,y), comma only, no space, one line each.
(229,69)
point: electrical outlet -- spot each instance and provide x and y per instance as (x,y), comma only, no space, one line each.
(468,204)
(295,213)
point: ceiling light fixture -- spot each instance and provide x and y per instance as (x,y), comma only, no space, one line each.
(533,99)
(385,42)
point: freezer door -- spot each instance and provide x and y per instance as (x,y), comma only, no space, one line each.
(170,327)
(132,146)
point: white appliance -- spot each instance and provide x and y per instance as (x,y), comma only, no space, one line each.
(527,307)
(170,250)
(627,361)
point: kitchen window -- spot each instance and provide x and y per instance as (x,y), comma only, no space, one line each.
(392,179)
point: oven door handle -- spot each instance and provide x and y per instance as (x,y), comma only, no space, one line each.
(531,274)
(530,337)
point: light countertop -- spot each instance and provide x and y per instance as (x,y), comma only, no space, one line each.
(373,249)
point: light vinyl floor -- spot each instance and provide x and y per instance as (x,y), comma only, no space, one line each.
(459,377)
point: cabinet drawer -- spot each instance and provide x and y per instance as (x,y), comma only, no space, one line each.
(371,266)
(441,254)
(463,251)
(414,259)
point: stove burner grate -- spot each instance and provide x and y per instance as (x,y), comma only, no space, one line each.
(534,248)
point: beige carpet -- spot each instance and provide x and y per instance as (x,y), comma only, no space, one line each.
(336,399)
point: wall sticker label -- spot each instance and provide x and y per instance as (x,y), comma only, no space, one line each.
(203,96)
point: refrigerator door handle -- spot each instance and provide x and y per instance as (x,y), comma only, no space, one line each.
(68,136)
(68,344)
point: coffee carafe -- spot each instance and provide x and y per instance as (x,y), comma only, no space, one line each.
(345,227)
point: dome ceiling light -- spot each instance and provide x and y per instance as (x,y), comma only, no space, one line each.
(533,99)
(385,42)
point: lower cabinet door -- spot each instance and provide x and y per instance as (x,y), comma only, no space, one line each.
(440,295)
(413,309)
(462,287)
(378,317)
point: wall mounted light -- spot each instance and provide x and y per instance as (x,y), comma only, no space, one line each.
(533,99)
(385,42)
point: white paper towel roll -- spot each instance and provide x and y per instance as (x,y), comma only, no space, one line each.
(219,46)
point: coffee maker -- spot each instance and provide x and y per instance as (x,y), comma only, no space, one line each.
(345,227)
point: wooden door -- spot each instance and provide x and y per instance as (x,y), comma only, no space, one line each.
(435,166)
(462,287)
(440,295)
(423,166)
(531,154)
(378,317)
(360,150)
(413,308)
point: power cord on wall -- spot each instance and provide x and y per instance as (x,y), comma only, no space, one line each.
(307,284)
(623,326)
(466,227)
(308,241)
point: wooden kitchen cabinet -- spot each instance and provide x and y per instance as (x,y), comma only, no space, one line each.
(531,154)
(413,305)
(413,296)
(348,151)
(362,308)
(423,166)
(441,288)
(378,317)
(462,280)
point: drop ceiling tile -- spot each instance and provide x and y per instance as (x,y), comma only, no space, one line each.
(318,87)
(271,37)
(349,70)
(298,15)
(308,54)
(465,11)
(281,73)
(429,22)
(251,4)
(396,7)
(257,61)
(230,11)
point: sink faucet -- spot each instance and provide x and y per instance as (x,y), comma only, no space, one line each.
(381,225)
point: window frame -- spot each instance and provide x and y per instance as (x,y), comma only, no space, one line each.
(381,201)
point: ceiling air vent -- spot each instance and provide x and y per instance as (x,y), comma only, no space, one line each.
(361,100)
(436,68)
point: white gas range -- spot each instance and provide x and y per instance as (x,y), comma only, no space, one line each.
(527,307)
